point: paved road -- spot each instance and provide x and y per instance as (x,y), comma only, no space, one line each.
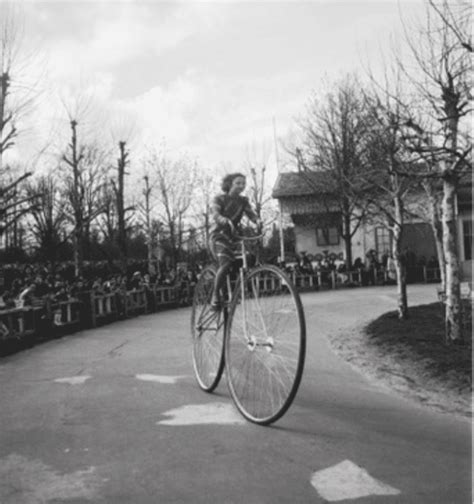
(113,416)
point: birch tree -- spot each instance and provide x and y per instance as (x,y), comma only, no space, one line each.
(386,157)
(442,53)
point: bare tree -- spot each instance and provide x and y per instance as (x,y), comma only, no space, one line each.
(15,203)
(425,171)
(48,216)
(440,54)
(107,220)
(176,184)
(84,188)
(199,215)
(258,188)
(335,132)
(386,157)
(17,95)
(456,17)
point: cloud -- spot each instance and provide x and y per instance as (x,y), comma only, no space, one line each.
(116,34)
(164,111)
(206,76)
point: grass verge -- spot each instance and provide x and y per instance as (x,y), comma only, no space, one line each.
(411,358)
(420,339)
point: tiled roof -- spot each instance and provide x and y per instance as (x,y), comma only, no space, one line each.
(299,184)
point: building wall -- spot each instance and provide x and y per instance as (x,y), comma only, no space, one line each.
(418,237)
(362,242)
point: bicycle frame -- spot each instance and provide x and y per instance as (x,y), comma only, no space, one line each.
(262,346)
(242,271)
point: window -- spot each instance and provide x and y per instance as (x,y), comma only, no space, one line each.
(383,242)
(327,236)
(467,239)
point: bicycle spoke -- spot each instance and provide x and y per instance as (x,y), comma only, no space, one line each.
(265,346)
(207,328)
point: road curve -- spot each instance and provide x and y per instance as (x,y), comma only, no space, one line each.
(113,415)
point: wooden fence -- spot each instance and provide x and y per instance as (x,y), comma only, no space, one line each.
(92,309)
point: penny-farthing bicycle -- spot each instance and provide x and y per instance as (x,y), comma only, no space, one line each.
(259,336)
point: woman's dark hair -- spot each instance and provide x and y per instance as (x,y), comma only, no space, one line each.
(228,179)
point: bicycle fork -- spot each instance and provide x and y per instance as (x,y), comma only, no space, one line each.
(252,340)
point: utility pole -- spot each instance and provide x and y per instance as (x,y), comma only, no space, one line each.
(120,189)
(76,199)
(280,219)
(149,232)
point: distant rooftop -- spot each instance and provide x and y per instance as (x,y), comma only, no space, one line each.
(292,184)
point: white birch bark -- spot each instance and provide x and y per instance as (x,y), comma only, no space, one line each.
(400,261)
(453,290)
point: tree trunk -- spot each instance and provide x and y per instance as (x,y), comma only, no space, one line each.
(400,261)
(78,244)
(347,239)
(207,225)
(449,211)
(453,290)
(437,227)
(438,235)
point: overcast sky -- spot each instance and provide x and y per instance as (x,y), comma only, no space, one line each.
(208,77)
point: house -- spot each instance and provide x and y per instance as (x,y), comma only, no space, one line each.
(318,223)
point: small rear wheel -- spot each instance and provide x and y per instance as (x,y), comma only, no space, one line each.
(265,345)
(207,329)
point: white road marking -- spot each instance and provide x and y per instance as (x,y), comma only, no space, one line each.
(73,380)
(30,481)
(195,414)
(348,481)
(158,378)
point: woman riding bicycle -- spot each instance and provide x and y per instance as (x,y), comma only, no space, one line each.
(228,209)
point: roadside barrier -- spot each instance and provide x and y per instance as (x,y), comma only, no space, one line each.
(333,279)
(19,323)
(164,295)
(104,307)
(66,313)
(135,303)
(90,309)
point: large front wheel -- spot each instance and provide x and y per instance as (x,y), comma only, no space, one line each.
(265,344)
(207,328)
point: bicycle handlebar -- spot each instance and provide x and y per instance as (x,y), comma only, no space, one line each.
(249,238)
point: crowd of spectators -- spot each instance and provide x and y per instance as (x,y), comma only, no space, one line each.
(27,284)
(367,270)
(30,284)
